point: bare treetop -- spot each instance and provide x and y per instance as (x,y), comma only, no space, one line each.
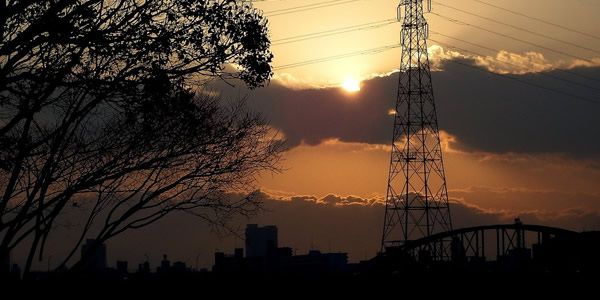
(97,112)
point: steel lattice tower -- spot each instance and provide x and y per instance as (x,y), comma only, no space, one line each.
(417,198)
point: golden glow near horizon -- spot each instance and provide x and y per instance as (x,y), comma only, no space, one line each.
(351,85)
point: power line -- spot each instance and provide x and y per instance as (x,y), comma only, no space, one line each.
(302,6)
(512,38)
(518,28)
(391,21)
(335,57)
(593,101)
(296,9)
(325,33)
(539,20)
(520,56)
(385,48)
(515,65)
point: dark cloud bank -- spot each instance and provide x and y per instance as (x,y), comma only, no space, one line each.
(486,112)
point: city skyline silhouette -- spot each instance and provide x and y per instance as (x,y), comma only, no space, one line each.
(155,136)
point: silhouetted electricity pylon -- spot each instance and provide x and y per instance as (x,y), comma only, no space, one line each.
(417,198)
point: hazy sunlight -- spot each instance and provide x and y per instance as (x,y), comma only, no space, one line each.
(351,85)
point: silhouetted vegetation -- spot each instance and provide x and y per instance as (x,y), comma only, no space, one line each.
(102,112)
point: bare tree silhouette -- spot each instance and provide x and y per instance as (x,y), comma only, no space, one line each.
(101,109)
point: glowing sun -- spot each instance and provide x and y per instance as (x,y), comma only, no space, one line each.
(351,85)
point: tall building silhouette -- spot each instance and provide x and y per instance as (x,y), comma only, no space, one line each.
(96,259)
(260,241)
(165,265)
(417,197)
(264,256)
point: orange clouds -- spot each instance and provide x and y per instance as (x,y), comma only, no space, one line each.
(329,199)
(504,62)
(545,185)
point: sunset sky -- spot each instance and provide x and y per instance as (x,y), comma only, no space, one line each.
(511,149)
